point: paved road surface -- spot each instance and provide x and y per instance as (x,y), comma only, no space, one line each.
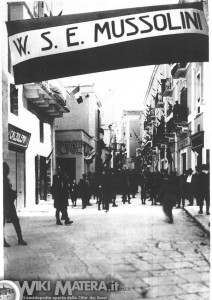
(133,243)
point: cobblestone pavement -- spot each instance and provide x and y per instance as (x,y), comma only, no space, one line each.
(133,243)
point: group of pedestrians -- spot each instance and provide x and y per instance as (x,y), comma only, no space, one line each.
(154,186)
(196,186)
(171,190)
(160,188)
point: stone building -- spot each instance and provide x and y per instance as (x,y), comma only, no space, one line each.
(77,133)
(29,112)
(176,117)
(129,132)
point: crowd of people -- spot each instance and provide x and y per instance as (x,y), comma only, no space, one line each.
(159,187)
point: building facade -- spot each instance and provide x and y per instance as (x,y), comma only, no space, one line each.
(129,132)
(174,125)
(28,122)
(77,133)
(174,130)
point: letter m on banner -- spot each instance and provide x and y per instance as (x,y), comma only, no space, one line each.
(55,47)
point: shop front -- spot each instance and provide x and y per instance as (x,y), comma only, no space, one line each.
(70,155)
(18,142)
(183,148)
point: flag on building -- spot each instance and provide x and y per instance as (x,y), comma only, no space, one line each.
(77,94)
(90,156)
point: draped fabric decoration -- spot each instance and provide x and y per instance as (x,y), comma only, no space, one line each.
(56,47)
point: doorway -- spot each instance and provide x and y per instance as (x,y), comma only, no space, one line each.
(16,162)
(183,156)
(42,178)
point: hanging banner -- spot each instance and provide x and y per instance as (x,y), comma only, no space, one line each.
(55,47)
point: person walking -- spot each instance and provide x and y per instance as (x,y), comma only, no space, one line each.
(106,188)
(142,182)
(189,187)
(134,183)
(205,169)
(126,188)
(199,187)
(168,196)
(182,190)
(90,185)
(153,189)
(114,187)
(9,196)
(84,191)
(74,192)
(60,192)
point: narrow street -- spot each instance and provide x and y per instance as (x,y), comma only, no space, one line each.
(132,243)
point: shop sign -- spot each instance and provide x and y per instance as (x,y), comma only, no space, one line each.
(197,140)
(18,137)
(107,40)
(69,148)
(184,143)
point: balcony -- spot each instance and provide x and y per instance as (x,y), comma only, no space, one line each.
(160,104)
(179,70)
(180,114)
(47,97)
(159,101)
(168,88)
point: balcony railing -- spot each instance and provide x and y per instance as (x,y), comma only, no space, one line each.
(46,98)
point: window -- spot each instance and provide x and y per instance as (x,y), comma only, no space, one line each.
(41,132)
(207,156)
(184,105)
(13,99)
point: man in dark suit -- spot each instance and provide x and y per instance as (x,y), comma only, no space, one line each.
(142,183)
(106,188)
(199,183)
(84,190)
(205,169)
(60,192)
(9,196)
